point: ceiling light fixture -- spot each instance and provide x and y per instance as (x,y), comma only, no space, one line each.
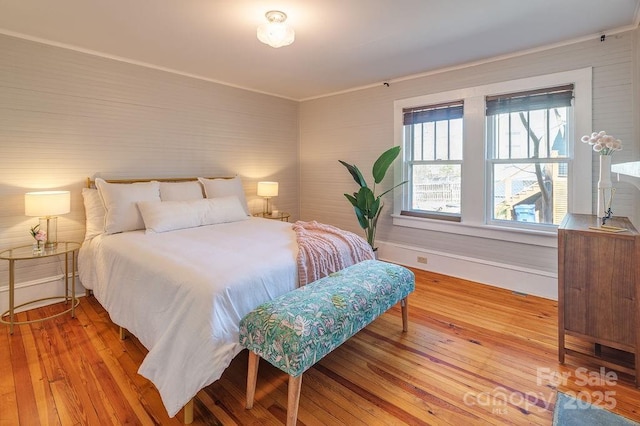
(276,33)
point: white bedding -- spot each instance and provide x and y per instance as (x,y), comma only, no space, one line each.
(182,293)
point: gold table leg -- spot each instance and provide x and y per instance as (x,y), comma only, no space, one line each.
(74,264)
(11,293)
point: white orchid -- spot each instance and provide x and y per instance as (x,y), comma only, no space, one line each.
(602,143)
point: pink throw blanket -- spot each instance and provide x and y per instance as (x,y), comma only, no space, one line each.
(324,249)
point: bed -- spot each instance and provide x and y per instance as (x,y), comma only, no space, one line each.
(181,277)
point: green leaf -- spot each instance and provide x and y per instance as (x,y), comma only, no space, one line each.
(351,199)
(355,173)
(364,223)
(391,189)
(374,209)
(383,162)
(365,199)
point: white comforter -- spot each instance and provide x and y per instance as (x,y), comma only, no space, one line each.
(182,294)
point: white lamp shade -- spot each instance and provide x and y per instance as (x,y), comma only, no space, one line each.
(47,203)
(267,189)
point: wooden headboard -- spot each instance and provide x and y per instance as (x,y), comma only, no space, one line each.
(92,183)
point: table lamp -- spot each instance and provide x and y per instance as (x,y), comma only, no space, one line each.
(47,205)
(267,190)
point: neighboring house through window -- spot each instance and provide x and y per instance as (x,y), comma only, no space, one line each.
(433,159)
(499,159)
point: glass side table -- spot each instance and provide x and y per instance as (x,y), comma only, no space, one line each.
(68,249)
(281,216)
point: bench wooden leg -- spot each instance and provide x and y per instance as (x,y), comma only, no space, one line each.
(293,401)
(405,314)
(252,377)
(188,412)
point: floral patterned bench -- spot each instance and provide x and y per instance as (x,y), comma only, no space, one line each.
(297,329)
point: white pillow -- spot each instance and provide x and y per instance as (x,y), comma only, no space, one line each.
(94,212)
(120,201)
(181,191)
(214,188)
(163,216)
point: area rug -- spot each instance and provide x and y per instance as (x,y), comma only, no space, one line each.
(572,412)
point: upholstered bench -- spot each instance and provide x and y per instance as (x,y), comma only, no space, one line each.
(297,329)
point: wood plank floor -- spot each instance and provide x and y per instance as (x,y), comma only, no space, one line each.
(473,355)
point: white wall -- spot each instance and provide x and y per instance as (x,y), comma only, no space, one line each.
(65,116)
(357,126)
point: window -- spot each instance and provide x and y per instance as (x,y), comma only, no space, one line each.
(497,161)
(528,156)
(433,159)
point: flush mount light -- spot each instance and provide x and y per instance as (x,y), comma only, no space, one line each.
(276,33)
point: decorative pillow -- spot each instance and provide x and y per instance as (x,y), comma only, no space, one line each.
(163,216)
(94,212)
(215,188)
(181,191)
(120,201)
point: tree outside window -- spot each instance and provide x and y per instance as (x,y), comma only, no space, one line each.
(527,154)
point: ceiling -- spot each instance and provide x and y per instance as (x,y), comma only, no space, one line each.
(340,44)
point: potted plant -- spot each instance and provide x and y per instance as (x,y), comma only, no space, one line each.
(365,202)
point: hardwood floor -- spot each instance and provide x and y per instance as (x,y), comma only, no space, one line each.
(473,355)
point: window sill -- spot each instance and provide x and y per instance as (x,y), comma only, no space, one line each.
(516,235)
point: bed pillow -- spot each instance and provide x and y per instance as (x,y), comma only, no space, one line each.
(215,188)
(94,212)
(163,216)
(120,201)
(181,191)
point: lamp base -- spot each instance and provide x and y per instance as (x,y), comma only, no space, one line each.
(50,225)
(266,211)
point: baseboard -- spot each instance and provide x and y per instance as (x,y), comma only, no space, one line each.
(37,289)
(517,279)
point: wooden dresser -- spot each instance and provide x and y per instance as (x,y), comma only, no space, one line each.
(598,288)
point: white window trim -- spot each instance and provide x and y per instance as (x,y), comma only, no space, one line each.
(474,221)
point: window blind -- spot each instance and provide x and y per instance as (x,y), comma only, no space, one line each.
(555,97)
(430,113)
